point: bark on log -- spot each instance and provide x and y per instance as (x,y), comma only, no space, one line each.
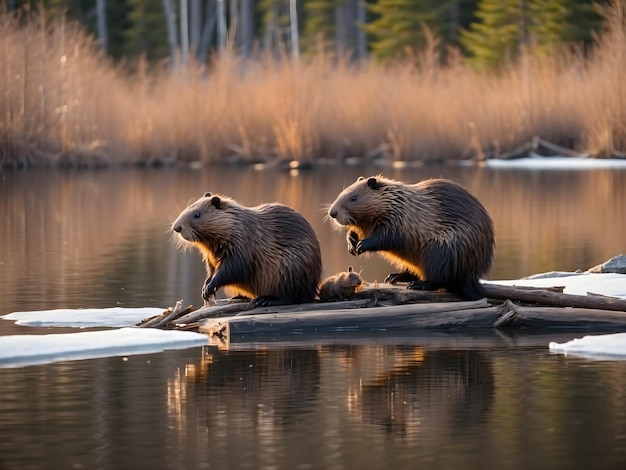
(454,316)
(442,315)
(554,299)
(551,317)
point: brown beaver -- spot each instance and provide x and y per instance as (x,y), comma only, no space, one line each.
(435,231)
(341,286)
(269,253)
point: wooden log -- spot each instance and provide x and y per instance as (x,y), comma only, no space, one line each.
(562,318)
(163,319)
(554,299)
(454,316)
(214,311)
(246,308)
(442,315)
(540,145)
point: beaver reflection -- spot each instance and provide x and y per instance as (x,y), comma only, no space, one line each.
(438,392)
(285,380)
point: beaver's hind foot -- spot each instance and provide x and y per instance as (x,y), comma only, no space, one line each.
(394,278)
(268,301)
(422,285)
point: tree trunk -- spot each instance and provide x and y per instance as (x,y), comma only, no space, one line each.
(208,30)
(361,16)
(103,36)
(270,29)
(233,25)
(221,25)
(346,28)
(295,39)
(195,24)
(170,21)
(246,27)
(184,32)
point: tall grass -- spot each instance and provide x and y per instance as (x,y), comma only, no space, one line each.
(66,103)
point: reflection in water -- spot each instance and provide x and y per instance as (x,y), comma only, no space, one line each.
(256,396)
(327,406)
(265,395)
(429,393)
(99,238)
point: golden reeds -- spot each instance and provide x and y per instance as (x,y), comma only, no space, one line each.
(66,103)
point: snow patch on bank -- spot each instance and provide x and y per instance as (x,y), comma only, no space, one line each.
(557,163)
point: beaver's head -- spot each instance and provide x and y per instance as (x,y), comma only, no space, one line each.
(206,222)
(363,203)
(351,279)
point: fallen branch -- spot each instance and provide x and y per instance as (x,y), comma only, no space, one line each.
(163,320)
(546,317)
(554,299)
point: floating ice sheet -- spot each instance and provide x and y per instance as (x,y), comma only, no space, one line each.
(116,317)
(612,346)
(21,350)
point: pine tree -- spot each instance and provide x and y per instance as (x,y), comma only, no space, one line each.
(556,23)
(544,26)
(147,34)
(498,33)
(399,27)
(319,26)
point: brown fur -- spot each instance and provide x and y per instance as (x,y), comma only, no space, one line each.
(269,252)
(435,231)
(341,286)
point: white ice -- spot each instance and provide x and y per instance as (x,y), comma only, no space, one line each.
(610,284)
(21,350)
(557,163)
(116,317)
(612,346)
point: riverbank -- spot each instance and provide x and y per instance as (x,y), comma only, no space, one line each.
(66,104)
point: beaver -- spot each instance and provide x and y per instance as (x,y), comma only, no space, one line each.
(435,231)
(341,286)
(269,253)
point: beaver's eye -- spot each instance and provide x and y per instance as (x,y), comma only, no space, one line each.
(353,198)
(196,215)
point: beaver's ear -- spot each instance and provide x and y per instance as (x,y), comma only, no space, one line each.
(216,201)
(360,178)
(207,194)
(372,183)
(349,269)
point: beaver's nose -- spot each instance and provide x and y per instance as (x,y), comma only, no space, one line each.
(177,228)
(333,214)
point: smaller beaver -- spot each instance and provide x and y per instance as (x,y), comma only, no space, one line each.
(341,286)
(269,253)
(435,231)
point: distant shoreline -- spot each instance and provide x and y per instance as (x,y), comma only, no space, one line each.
(67,105)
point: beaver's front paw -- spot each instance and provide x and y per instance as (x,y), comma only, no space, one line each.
(208,291)
(363,246)
(353,240)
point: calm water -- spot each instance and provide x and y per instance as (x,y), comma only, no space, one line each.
(99,239)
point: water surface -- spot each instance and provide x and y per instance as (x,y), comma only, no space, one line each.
(437,400)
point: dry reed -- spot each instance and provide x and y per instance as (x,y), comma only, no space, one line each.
(67,104)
